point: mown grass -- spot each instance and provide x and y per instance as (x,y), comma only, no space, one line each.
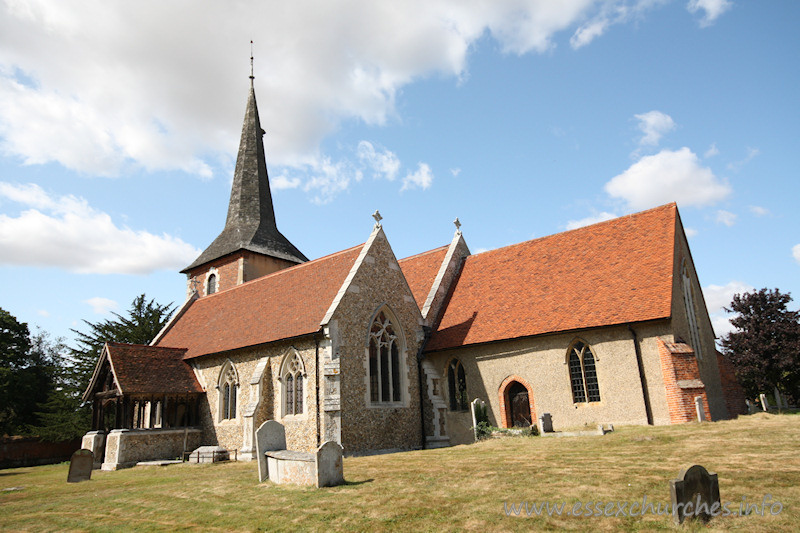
(458,488)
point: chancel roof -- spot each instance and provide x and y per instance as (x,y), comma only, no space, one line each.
(250,224)
(614,272)
(140,369)
(285,304)
(420,271)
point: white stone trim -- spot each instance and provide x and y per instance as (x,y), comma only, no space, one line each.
(437,283)
(402,353)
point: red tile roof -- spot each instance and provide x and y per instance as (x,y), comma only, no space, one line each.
(615,272)
(151,369)
(420,271)
(281,305)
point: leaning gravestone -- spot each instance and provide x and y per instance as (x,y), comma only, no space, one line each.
(80,466)
(695,494)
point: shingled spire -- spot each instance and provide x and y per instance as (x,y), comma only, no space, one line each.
(251,219)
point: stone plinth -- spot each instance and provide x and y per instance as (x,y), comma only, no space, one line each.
(126,447)
(95,442)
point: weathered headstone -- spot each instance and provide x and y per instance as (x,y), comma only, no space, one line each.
(764,402)
(329,464)
(698,407)
(750,407)
(478,409)
(270,436)
(545,423)
(695,494)
(80,466)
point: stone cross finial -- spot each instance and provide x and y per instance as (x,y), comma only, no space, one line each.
(252,77)
(377,216)
(457,224)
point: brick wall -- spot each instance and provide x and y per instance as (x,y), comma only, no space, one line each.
(680,371)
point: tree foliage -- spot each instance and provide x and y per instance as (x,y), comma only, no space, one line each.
(26,374)
(765,348)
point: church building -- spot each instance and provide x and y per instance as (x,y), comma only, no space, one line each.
(597,325)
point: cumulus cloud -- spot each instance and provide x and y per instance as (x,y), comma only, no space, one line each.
(283,182)
(796,252)
(710,9)
(421,178)
(751,153)
(665,177)
(726,217)
(712,151)
(65,232)
(600,217)
(455,172)
(690,232)
(654,125)
(383,163)
(101,306)
(758,211)
(114,84)
(719,296)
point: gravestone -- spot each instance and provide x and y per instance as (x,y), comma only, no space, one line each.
(545,423)
(698,407)
(750,407)
(478,409)
(695,494)
(328,462)
(270,436)
(764,402)
(80,466)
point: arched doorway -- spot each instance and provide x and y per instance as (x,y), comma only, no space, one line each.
(519,407)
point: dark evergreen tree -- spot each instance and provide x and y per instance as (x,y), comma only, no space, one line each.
(765,348)
(26,375)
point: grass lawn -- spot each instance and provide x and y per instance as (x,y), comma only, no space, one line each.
(459,488)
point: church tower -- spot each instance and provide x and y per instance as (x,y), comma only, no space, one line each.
(250,245)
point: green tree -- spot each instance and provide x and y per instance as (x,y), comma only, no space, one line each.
(62,416)
(765,348)
(26,374)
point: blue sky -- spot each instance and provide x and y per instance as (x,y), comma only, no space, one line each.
(119,124)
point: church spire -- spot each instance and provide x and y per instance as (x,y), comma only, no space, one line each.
(250,224)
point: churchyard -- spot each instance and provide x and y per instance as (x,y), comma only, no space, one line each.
(473,487)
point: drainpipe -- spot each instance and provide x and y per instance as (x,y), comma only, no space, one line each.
(642,378)
(420,356)
(316,370)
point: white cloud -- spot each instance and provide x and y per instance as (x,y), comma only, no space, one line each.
(719,296)
(751,153)
(329,179)
(43,312)
(113,84)
(66,232)
(665,177)
(796,252)
(101,306)
(654,125)
(759,211)
(712,151)
(600,217)
(283,182)
(726,217)
(384,164)
(455,172)
(422,178)
(711,9)
(690,232)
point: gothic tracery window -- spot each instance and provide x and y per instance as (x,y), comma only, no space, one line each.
(457,386)
(384,362)
(293,382)
(583,374)
(227,390)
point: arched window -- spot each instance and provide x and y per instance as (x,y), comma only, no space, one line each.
(582,374)
(293,381)
(228,386)
(384,362)
(212,284)
(688,302)
(457,386)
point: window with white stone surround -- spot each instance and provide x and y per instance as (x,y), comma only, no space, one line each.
(228,387)
(385,355)
(293,379)
(583,374)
